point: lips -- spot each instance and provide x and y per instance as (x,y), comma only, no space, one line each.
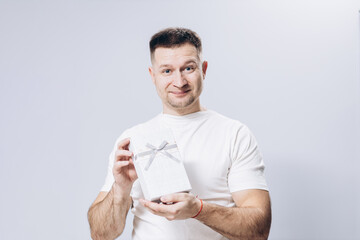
(180,93)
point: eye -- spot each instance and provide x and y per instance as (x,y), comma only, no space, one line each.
(166,71)
(190,68)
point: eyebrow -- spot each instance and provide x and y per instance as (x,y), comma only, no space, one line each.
(164,65)
(187,62)
(190,61)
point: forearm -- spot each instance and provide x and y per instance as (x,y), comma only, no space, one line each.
(236,222)
(107,218)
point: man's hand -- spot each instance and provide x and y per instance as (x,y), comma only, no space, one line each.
(107,215)
(124,170)
(249,219)
(175,206)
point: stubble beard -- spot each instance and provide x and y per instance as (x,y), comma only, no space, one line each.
(181,104)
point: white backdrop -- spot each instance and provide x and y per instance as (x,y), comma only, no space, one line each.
(73,76)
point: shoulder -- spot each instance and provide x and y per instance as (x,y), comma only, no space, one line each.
(231,124)
(237,132)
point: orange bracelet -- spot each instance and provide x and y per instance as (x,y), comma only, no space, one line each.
(201,207)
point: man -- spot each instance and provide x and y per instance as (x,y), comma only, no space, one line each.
(221,157)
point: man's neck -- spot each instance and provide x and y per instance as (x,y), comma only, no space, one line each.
(182,111)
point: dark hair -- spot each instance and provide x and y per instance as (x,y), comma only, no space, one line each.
(174,37)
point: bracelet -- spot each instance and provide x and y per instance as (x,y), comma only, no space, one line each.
(201,207)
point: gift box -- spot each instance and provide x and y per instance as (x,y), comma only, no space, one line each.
(158,163)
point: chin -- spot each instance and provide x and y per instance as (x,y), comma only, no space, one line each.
(181,104)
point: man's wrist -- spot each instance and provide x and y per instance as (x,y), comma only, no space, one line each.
(200,207)
(204,211)
(120,195)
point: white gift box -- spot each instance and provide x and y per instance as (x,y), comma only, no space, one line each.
(158,163)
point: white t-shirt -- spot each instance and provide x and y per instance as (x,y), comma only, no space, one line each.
(220,156)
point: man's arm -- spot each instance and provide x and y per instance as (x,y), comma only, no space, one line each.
(250,219)
(107,215)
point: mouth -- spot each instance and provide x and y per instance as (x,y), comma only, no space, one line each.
(180,93)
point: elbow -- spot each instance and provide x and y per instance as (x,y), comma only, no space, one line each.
(263,236)
(101,231)
(97,234)
(265,225)
(261,227)
(263,231)
(256,236)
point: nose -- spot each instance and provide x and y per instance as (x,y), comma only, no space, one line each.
(179,80)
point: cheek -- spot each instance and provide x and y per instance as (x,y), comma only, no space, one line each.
(161,85)
(196,80)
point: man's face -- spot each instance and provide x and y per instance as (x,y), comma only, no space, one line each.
(178,76)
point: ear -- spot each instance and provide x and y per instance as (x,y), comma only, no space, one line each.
(151,71)
(204,68)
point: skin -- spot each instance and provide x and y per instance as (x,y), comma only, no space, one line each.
(178,76)
(107,214)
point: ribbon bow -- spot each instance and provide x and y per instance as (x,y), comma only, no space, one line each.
(161,149)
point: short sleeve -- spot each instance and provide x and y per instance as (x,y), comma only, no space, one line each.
(109,180)
(247,168)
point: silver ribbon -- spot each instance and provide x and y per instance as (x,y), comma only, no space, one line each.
(154,150)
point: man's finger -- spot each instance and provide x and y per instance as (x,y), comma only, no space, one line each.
(155,208)
(155,212)
(176,197)
(121,164)
(123,154)
(124,144)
